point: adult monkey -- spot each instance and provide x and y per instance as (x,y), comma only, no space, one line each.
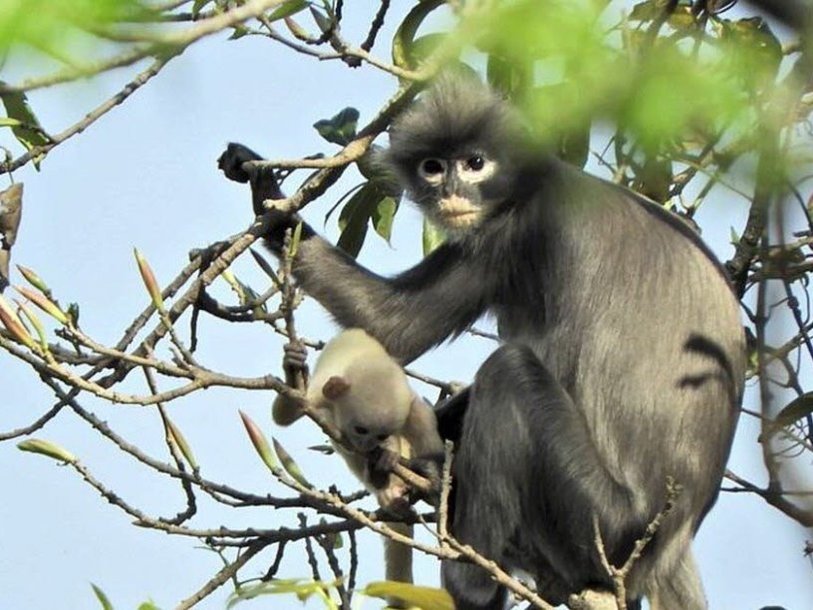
(623,361)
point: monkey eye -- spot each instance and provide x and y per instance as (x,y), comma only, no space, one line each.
(475,163)
(361,430)
(429,168)
(382,437)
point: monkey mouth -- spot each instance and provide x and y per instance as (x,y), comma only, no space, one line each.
(456,211)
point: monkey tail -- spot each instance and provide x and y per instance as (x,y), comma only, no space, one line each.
(398,560)
(675,585)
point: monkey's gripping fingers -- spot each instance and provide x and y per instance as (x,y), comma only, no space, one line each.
(380,462)
(294,362)
(264,184)
(430,468)
(232,159)
(385,459)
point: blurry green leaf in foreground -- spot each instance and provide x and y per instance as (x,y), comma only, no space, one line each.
(658,90)
(425,598)
(303,589)
(45,24)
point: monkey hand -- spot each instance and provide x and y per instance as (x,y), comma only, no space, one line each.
(232,159)
(294,362)
(264,183)
(430,468)
(380,462)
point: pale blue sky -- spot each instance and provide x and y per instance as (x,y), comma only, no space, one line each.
(145,176)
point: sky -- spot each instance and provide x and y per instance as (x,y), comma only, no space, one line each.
(145,175)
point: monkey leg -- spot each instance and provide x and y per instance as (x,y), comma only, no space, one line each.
(528,484)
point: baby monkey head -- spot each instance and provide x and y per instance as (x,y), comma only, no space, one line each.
(370,403)
(454,152)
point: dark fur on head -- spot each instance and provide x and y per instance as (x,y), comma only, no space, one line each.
(456,114)
(456,121)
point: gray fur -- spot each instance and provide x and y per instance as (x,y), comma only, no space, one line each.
(623,364)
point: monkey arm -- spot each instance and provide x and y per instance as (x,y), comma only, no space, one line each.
(409,313)
(420,432)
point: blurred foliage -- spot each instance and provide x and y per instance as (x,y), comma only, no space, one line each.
(662,76)
(48,25)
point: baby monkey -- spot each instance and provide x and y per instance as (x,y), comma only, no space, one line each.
(364,393)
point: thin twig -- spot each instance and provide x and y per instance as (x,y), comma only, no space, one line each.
(222,576)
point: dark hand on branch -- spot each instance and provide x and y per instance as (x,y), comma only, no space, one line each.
(264,186)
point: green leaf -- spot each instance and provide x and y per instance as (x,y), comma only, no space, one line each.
(646,11)
(422,47)
(426,598)
(404,39)
(53,26)
(323,449)
(178,438)
(323,22)
(682,18)
(197,7)
(565,122)
(511,77)
(34,279)
(103,600)
(148,606)
(46,448)
(13,324)
(36,323)
(756,53)
(383,215)
(239,31)
(296,238)
(28,132)
(339,129)
(733,237)
(292,7)
(799,407)
(150,283)
(303,589)
(433,236)
(44,303)
(260,443)
(290,465)
(354,220)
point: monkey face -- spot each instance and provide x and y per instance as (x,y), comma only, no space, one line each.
(451,188)
(457,152)
(364,438)
(458,192)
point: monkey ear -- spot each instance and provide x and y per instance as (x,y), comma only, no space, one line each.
(335,387)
